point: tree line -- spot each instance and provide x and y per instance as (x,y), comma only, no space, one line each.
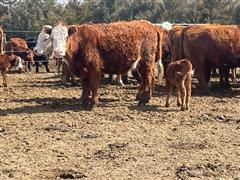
(32,15)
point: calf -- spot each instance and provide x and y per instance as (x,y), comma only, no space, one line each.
(179,74)
(6,63)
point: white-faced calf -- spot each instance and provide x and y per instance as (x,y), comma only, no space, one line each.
(179,74)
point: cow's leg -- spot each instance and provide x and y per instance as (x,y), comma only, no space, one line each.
(160,70)
(65,73)
(4,75)
(46,66)
(146,69)
(136,75)
(234,75)
(168,92)
(73,80)
(94,81)
(29,64)
(37,66)
(85,93)
(224,76)
(200,75)
(119,80)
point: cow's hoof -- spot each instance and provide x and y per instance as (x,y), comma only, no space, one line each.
(85,104)
(178,104)
(167,105)
(92,106)
(5,85)
(141,104)
(183,108)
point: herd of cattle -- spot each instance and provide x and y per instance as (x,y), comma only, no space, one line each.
(91,49)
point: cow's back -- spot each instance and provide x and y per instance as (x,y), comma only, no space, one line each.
(119,44)
(212,42)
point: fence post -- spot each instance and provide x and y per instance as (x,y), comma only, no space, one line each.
(1,41)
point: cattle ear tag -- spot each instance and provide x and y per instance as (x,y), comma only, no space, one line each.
(71,30)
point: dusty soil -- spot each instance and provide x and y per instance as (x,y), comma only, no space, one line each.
(45,134)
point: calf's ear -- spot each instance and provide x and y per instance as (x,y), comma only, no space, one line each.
(71,30)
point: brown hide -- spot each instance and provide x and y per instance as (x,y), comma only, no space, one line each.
(114,48)
(174,41)
(211,46)
(6,63)
(179,75)
(19,47)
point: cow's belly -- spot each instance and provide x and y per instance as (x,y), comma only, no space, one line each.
(116,63)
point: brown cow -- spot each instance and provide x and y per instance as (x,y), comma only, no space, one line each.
(111,48)
(6,63)
(211,46)
(179,74)
(19,47)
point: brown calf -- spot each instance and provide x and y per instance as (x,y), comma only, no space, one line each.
(179,74)
(6,63)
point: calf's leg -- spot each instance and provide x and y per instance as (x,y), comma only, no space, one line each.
(4,75)
(188,85)
(168,92)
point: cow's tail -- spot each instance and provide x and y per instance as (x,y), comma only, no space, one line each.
(158,59)
(1,41)
(181,48)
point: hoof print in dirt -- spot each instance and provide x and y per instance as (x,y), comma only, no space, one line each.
(90,135)
(189,145)
(112,151)
(204,171)
(70,174)
(58,127)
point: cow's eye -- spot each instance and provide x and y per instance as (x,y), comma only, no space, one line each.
(46,39)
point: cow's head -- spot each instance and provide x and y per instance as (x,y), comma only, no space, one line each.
(44,42)
(29,55)
(59,37)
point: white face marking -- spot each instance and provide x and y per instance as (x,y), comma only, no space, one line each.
(59,36)
(44,44)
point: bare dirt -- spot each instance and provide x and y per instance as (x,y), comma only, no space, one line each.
(46,134)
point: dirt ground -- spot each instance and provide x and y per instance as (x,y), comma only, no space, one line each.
(45,134)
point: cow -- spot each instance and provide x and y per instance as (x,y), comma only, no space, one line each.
(6,63)
(179,74)
(19,47)
(44,47)
(211,46)
(31,42)
(110,48)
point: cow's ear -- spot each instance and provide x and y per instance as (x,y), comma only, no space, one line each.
(71,30)
(48,30)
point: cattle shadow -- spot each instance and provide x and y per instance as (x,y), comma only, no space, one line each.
(216,90)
